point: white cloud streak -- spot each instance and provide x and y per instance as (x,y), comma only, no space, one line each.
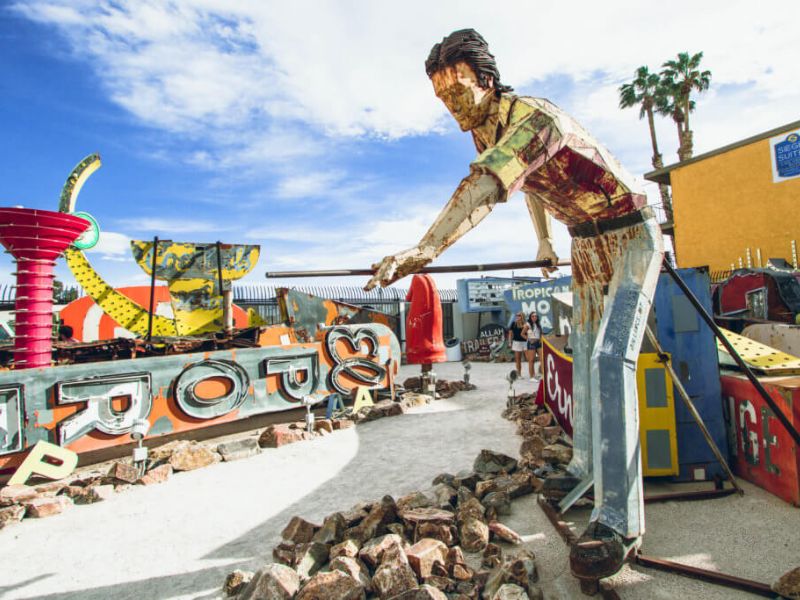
(281,86)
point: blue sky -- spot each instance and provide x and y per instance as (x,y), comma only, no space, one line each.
(310,127)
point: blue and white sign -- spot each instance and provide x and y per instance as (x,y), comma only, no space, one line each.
(537,297)
(785,150)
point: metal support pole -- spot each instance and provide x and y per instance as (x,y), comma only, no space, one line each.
(735,355)
(692,409)
(747,585)
(152,289)
(227,295)
(533,264)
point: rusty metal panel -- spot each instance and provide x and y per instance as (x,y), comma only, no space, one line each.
(86,407)
(304,312)
(196,275)
(762,451)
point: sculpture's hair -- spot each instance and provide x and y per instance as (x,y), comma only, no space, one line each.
(467,45)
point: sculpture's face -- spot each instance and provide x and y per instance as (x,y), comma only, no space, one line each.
(463,95)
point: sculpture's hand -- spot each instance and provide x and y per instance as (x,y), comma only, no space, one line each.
(546,252)
(397,266)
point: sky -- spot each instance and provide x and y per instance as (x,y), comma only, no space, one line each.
(310,128)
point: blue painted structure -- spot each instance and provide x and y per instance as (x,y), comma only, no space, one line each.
(691,343)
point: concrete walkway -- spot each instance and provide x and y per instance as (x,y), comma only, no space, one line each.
(180,539)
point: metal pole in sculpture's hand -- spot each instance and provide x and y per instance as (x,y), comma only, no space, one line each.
(531,264)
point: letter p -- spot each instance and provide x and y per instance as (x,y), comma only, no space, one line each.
(35,463)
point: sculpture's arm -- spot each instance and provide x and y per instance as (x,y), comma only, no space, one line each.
(543,226)
(499,171)
(474,198)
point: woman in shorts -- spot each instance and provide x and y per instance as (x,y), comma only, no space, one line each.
(517,335)
(534,342)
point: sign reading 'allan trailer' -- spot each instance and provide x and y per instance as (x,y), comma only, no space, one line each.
(785,150)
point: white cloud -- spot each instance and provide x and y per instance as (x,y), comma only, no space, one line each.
(308,184)
(112,246)
(189,64)
(284,86)
(161,225)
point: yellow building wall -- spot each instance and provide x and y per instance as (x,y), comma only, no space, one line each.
(727,203)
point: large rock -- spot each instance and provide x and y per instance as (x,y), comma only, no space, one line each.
(11,514)
(94,493)
(445,478)
(492,556)
(236,581)
(788,585)
(456,565)
(447,534)
(332,530)
(310,558)
(394,575)
(441,583)
(332,585)
(520,570)
(557,454)
(500,502)
(284,553)
(123,472)
(467,479)
(355,568)
(157,475)
(238,449)
(423,555)
(473,534)
(414,399)
(504,533)
(16,494)
(160,454)
(423,592)
(509,591)
(444,496)
(531,449)
(374,524)
(193,456)
(357,513)
(273,582)
(489,463)
(346,548)
(299,531)
(276,436)
(39,508)
(413,500)
(372,552)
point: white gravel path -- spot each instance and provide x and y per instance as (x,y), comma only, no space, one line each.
(180,539)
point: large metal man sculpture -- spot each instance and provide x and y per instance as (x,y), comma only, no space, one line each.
(529,144)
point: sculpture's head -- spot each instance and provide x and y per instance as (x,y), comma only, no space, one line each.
(465,76)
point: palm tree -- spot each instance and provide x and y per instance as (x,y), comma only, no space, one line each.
(682,76)
(645,91)
(667,106)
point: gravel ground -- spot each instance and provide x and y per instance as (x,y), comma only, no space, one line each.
(180,539)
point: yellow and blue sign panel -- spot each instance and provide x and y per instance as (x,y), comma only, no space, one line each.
(785,150)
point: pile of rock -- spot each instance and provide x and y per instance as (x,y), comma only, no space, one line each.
(38,501)
(544,444)
(446,542)
(21,501)
(444,388)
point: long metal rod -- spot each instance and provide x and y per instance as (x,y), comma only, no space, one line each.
(152,289)
(747,585)
(692,409)
(735,355)
(531,264)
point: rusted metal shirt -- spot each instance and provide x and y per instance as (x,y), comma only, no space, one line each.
(529,144)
